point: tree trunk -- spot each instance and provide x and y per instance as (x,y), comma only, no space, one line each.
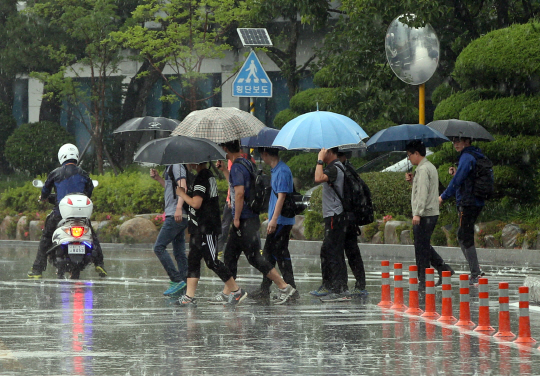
(502,7)
(293,80)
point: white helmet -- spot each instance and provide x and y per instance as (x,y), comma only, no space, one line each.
(67,152)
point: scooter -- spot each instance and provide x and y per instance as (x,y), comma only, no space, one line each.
(72,240)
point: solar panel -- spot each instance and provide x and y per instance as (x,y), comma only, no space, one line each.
(254,37)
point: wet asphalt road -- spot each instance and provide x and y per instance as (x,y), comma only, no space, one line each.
(122,325)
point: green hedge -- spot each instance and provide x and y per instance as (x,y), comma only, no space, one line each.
(34,147)
(303,169)
(390,193)
(441,93)
(510,116)
(23,199)
(451,107)
(507,58)
(307,100)
(283,117)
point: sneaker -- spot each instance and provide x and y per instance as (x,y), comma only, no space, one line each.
(237,297)
(175,287)
(101,271)
(321,291)
(75,274)
(358,293)
(284,295)
(34,274)
(333,297)
(186,301)
(220,298)
(473,280)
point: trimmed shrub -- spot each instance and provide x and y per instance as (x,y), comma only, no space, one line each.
(510,116)
(390,193)
(313,225)
(283,117)
(451,107)
(303,168)
(7,126)
(23,199)
(307,100)
(34,147)
(441,92)
(507,58)
(378,125)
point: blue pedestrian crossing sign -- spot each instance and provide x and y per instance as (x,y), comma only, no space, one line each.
(252,80)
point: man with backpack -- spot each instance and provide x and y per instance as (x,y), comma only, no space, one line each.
(276,247)
(467,190)
(333,267)
(243,235)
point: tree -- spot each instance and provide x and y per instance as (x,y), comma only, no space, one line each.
(7,9)
(183,33)
(89,23)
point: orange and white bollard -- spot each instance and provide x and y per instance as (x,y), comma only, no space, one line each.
(398,288)
(524,333)
(484,323)
(504,313)
(430,295)
(386,299)
(464,304)
(414,307)
(446,305)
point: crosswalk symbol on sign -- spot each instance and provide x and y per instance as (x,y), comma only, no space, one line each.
(252,80)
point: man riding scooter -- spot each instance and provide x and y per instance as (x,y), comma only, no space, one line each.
(66,179)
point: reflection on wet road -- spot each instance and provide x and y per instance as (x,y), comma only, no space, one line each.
(123,325)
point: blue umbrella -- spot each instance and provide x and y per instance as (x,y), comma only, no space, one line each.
(264,138)
(319,129)
(397,137)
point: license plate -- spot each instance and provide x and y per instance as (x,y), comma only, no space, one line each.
(76,249)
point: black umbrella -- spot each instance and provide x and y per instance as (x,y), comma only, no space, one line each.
(462,129)
(179,149)
(146,128)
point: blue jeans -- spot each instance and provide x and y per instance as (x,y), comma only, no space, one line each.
(172,232)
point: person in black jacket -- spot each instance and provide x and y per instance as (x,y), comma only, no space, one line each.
(66,179)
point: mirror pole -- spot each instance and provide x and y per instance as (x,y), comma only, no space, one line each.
(422,104)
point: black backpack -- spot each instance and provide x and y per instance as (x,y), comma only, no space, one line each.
(259,188)
(483,180)
(293,204)
(357,197)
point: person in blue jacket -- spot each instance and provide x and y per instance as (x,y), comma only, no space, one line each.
(469,206)
(66,179)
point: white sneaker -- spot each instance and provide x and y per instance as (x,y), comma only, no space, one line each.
(220,298)
(284,295)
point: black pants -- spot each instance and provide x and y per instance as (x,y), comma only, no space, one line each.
(424,252)
(204,246)
(276,250)
(352,251)
(226,220)
(45,243)
(333,267)
(245,239)
(467,217)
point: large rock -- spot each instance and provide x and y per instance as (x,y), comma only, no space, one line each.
(390,235)
(22,233)
(297,231)
(35,229)
(491,242)
(533,283)
(377,238)
(4,227)
(148,216)
(405,238)
(509,235)
(138,230)
(361,238)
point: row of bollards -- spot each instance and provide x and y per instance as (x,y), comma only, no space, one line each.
(446,316)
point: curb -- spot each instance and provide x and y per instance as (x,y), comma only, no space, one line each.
(502,256)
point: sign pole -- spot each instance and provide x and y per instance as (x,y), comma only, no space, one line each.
(422,104)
